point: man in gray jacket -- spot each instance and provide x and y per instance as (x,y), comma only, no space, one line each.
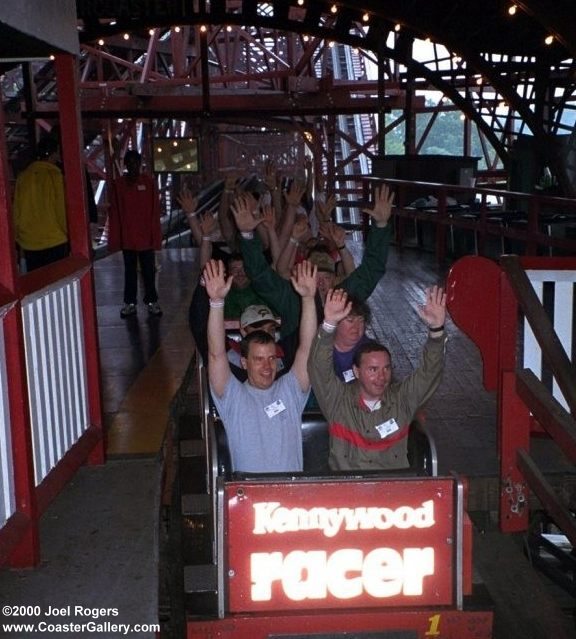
(369,418)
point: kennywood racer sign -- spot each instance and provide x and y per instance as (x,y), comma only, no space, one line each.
(301,545)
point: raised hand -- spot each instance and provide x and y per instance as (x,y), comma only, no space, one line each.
(187,201)
(293,195)
(336,234)
(268,217)
(433,311)
(271,175)
(304,281)
(336,306)
(382,209)
(215,280)
(208,224)
(243,210)
(324,209)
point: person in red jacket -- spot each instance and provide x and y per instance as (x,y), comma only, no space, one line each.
(134,227)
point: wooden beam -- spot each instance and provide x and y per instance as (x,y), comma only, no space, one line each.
(552,349)
(261,104)
(540,486)
(549,412)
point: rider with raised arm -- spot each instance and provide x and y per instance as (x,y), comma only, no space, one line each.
(262,416)
(369,418)
(277,292)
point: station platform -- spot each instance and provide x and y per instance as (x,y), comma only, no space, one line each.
(99,538)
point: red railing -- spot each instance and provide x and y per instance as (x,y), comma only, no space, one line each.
(485,300)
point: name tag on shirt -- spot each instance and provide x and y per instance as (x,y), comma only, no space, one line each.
(275,408)
(141,187)
(387,428)
(349,375)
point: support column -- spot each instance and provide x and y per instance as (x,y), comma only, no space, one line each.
(79,233)
(19,537)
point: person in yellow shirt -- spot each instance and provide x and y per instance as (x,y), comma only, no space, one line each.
(40,210)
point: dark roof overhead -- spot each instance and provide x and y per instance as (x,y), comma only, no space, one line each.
(31,29)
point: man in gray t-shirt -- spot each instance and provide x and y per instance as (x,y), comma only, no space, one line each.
(262,416)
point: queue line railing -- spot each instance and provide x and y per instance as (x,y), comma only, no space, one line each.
(455,220)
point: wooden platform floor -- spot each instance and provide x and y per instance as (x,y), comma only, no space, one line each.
(143,358)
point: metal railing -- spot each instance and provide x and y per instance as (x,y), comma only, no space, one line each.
(483,221)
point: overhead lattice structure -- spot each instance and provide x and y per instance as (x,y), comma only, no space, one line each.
(257,80)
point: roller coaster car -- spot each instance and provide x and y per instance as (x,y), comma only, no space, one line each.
(356,555)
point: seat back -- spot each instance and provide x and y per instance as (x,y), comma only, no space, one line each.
(422,454)
(224,460)
(315,442)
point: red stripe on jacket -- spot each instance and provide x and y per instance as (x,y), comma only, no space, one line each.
(340,431)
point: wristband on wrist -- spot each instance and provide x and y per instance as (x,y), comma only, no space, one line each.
(206,238)
(193,214)
(329,328)
(436,329)
(293,240)
(247,235)
(216,303)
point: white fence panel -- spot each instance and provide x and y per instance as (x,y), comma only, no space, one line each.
(7,497)
(56,368)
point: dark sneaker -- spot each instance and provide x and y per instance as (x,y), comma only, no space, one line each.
(154,309)
(127,310)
